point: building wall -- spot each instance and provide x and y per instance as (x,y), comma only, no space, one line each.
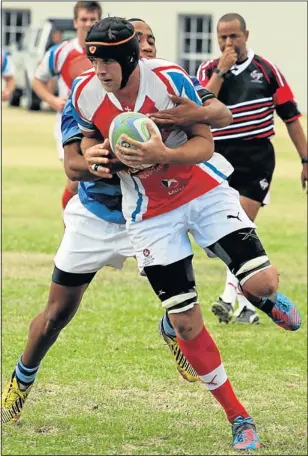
(278,31)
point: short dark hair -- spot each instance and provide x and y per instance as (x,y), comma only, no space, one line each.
(231,17)
(89,6)
(135,19)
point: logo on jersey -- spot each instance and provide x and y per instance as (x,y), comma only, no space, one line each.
(256,76)
(92,49)
(146,252)
(264,184)
(170,183)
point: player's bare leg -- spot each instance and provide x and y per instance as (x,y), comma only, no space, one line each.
(44,330)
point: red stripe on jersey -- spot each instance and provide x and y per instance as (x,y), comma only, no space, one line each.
(263,135)
(251,106)
(187,183)
(293,118)
(66,43)
(282,95)
(253,116)
(204,68)
(275,71)
(159,73)
(75,64)
(262,69)
(243,129)
(80,89)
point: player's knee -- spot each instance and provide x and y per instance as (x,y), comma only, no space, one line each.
(56,316)
(263,283)
(54,323)
(184,322)
(185,315)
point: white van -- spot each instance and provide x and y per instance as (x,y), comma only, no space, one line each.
(28,54)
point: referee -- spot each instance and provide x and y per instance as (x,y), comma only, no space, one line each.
(252,87)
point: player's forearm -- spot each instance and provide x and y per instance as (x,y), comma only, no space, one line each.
(88,142)
(41,89)
(75,165)
(216,114)
(214,84)
(196,150)
(298,138)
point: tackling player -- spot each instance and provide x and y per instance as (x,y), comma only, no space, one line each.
(159,217)
(65,61)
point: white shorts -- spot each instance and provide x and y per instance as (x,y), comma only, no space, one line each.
(90,243)
(164,239)
(58,136)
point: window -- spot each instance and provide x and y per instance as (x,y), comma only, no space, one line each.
(195,38)
(14,23)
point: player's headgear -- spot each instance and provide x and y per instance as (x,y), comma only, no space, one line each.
(114,38)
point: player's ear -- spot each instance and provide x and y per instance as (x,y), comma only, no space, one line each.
(246,35)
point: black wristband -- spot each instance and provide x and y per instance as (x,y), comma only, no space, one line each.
(304,160)
(220,73)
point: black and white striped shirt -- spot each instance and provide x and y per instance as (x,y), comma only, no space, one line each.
(252,90)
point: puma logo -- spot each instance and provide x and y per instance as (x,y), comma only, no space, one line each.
(234,216)
(211,382)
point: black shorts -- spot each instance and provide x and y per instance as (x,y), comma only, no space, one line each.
(254,164)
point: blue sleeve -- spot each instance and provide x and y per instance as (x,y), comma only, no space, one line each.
(189,91)
(69,126)
(4,61)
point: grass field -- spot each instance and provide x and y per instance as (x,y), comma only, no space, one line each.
(109,385)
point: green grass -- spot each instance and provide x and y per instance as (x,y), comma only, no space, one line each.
(109,386)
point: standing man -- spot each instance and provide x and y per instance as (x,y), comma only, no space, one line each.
(7,73)
(253,88)
(159,219)
(66,60)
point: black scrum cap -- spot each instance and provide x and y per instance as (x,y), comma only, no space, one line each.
(114,38)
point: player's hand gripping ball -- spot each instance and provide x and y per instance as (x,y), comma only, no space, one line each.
(132,124)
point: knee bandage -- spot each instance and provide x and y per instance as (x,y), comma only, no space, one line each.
(252,267)
(181,302)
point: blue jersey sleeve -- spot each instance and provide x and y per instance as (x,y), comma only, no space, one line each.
(69,125)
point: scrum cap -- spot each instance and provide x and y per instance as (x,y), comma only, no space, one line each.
(114,38)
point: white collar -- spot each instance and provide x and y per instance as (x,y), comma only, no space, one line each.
(238,69)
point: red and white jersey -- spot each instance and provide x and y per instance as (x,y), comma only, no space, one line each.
(67,60)
(161,188)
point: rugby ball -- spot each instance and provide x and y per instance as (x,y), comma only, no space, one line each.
(132,124)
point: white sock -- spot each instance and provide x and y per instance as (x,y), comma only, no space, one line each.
(243,302)
(229,294)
